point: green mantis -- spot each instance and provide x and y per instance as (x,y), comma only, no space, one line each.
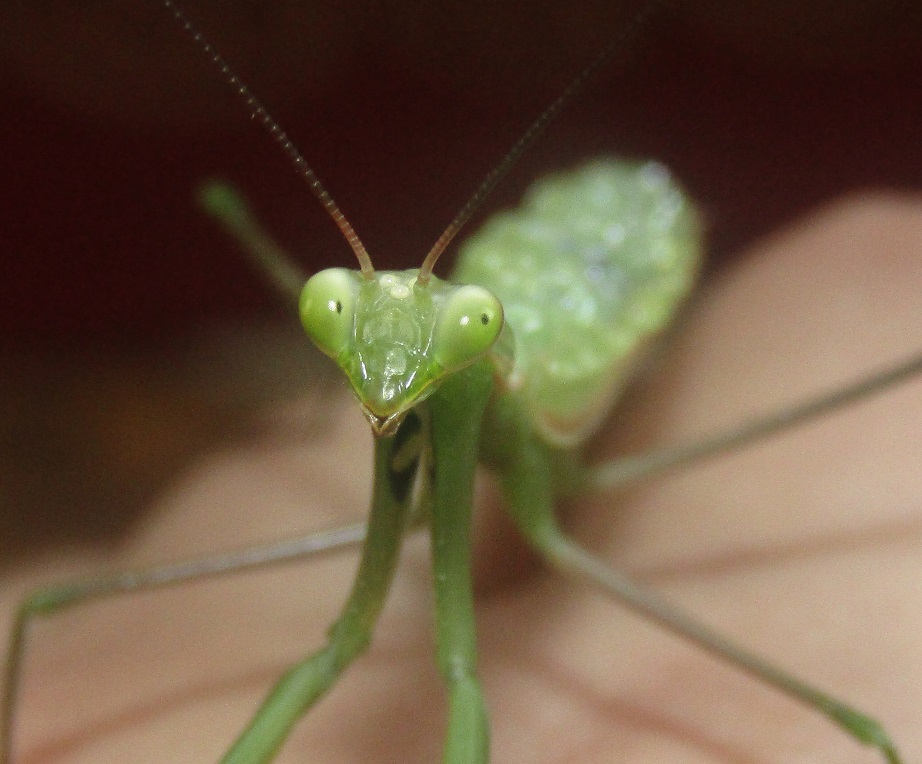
(468,724)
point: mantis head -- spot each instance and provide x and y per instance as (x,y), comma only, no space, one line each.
(396,335)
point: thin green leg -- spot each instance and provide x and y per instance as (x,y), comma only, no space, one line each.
(308,680)
(230,209)
(633,468)
(46,602)
(457,411)
(527,483)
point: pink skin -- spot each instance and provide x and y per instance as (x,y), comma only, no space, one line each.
(807,547)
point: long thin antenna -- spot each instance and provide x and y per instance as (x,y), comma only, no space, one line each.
(528,137)
(258,111)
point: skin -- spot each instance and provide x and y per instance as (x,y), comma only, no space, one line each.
(807,547)
(183,491)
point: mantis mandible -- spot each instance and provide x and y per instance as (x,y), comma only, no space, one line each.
(467,735)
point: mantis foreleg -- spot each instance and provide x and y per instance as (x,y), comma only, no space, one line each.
(308,680)
(457,412)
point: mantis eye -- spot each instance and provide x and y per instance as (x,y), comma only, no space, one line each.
(327,307)
(467,325)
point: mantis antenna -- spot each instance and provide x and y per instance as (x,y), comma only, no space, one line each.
(258,111)
(533,131)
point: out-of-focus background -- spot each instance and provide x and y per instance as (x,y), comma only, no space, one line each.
(157,402)
(132,337)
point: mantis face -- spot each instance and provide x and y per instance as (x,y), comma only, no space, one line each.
(396,338)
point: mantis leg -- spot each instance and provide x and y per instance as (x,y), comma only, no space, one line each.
(305,682)
(631,469)
(48,601)
(224,204)
(457,411)
(526,481)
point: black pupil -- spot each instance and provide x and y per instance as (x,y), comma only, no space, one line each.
(339,307)
(484,319)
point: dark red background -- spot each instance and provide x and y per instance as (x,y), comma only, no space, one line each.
(102,242)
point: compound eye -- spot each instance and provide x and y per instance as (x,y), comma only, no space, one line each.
(467,326)
(327,308)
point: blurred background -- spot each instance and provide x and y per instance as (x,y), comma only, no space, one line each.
(131,335)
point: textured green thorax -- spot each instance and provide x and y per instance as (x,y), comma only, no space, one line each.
(590,267)
(582,275)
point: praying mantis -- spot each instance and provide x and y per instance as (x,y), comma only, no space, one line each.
(322,758)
